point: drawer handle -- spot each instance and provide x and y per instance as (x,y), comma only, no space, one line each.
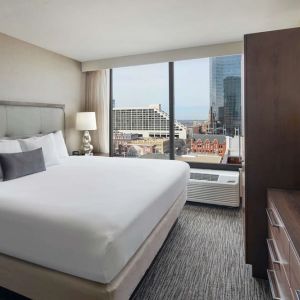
(272,279)
(273,253)
(297,294)
(271,218)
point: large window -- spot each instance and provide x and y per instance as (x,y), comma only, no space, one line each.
(208,105)
(206,109)
(141,111)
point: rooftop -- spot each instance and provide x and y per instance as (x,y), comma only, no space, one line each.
(211,137)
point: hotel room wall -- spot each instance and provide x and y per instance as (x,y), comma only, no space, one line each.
(32,74)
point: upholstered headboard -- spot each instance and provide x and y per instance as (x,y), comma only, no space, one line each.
(24,119)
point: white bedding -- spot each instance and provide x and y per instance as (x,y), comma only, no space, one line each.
(88,216)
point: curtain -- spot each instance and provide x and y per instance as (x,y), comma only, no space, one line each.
(97,100)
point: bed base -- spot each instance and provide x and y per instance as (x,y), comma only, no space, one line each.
(37,282)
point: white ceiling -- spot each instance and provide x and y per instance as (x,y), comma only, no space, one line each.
(96,29)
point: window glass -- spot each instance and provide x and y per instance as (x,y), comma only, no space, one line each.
(208,109)
(141,111)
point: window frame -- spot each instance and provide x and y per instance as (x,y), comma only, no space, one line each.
(196,165)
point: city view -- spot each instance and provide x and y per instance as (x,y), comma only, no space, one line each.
(207,110)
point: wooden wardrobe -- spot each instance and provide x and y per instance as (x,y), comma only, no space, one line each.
(272,130)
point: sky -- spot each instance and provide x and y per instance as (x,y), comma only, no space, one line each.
(139,86)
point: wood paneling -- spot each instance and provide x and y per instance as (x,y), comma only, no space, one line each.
(272,130)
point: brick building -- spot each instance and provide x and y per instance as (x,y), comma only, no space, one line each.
(209,143)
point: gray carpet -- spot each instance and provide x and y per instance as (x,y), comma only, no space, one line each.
(203,258)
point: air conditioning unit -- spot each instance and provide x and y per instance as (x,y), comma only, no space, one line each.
(214,187)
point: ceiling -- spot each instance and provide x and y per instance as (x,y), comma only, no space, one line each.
(96,29)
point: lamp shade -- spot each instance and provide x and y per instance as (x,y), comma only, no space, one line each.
(86,121)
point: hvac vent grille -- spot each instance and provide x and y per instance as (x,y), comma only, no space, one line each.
(202,176)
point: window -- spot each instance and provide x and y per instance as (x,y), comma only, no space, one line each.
(141,111)
(208,107)
(207,111)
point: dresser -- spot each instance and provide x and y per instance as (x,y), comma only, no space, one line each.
(283,214)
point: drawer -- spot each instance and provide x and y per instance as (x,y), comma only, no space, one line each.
(278,234)
(279,285)
(294,272)
(294,295)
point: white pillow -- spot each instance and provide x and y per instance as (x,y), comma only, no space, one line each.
(10,146)
(60,144)
(48,145)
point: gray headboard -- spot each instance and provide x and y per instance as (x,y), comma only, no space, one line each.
(25,119)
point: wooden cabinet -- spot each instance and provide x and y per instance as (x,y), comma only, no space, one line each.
(272,128)
(283,215)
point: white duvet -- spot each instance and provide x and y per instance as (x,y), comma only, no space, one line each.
(88,216)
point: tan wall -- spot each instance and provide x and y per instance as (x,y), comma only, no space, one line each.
(32,74)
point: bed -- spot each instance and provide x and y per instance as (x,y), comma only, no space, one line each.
(88,228)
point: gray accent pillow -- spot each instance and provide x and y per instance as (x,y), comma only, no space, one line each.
(16,165)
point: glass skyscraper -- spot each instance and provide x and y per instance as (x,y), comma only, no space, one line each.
(232,105)
(225,93)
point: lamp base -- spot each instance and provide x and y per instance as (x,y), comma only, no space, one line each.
(87,147)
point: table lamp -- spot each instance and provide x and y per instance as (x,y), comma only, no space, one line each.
(86,121)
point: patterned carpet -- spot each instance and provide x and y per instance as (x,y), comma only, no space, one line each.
(203,259)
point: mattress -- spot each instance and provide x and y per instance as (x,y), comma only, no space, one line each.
(88,216)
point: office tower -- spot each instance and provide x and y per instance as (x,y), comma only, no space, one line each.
(232,105)
(221,68)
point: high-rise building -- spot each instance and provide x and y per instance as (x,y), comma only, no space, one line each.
(220,68)
(232,105)
(148,122)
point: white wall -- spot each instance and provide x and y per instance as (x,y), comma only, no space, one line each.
(165,56)
(32,74)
